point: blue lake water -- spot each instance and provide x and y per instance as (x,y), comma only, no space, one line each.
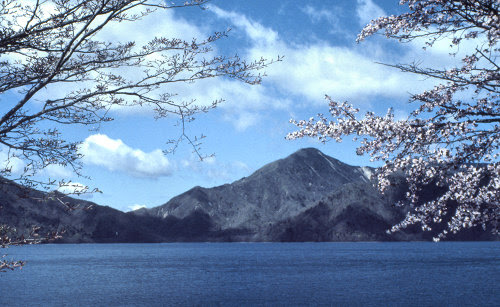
(270,274)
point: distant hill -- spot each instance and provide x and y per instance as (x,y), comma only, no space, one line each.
(307,196)
(81,221)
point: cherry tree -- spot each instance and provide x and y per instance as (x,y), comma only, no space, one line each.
(49,44)
(56,48)
(451,138)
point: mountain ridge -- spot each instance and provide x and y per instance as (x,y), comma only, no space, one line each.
(307,196)
(271,192)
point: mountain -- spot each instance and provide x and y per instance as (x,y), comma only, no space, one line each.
(81,221)
(306,196)
(279,190)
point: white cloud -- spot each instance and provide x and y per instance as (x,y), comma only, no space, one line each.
(17,19)
(316,70)
(320,14)
(57,171)
(99,149)
(329,16)
(367,10)
(243,120)
(159,23)
(136,207)
(243,104)
(9,160)
(313,70)
(255,31)
(10,163)
(438,55)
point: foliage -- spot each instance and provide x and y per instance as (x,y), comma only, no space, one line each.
(452,137)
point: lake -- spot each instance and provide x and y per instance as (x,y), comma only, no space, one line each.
(249,274)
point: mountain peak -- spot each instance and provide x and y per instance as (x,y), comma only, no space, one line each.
(313,154)
(308,151)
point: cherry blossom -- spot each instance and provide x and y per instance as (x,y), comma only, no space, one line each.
(451,138)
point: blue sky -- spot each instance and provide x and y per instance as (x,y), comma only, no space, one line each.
(317,40)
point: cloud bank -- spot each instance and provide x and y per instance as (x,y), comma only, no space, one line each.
(311,70)
(114,155)
(367,10)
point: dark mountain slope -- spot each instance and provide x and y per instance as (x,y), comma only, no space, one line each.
(357,212)
(279,190)
(81,221)
(305,197)
(354,213)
